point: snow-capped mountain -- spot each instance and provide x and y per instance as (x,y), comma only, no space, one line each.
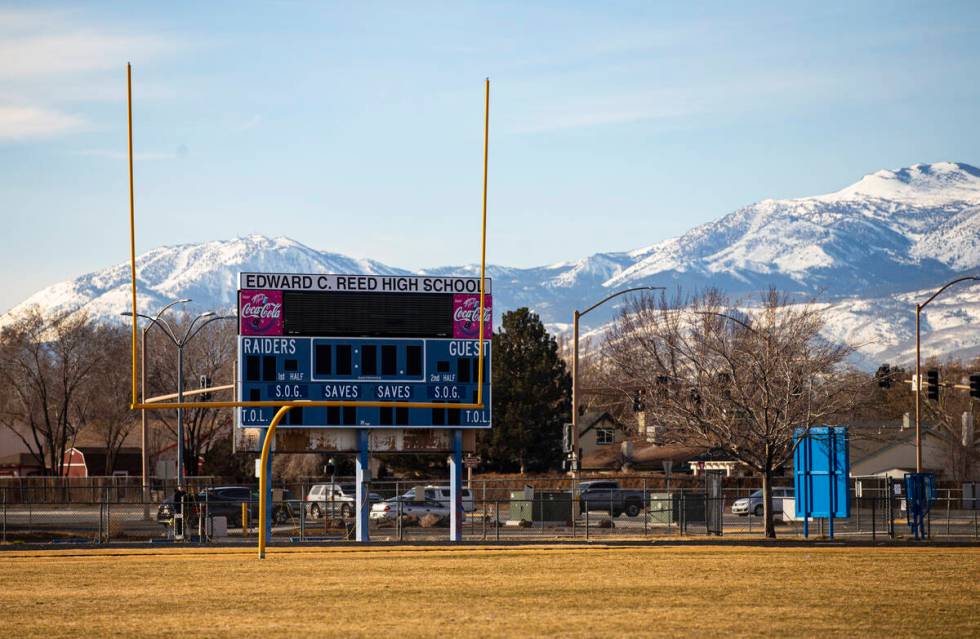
(891,231)
(869,250)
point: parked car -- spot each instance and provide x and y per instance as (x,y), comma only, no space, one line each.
(334,500)
(441,494)
(226,501)
(607,496)
(389,509)
(753,503)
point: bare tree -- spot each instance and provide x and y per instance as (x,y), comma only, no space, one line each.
(737,381)
(210,354)
(106,397)
(45,365)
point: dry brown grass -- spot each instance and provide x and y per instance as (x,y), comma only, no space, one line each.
(502,591)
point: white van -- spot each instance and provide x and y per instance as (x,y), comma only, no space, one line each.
(441,494)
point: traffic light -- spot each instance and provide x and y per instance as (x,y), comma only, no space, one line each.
(638,405)
(206,383)
(975,385)
(884,376)
(932,384)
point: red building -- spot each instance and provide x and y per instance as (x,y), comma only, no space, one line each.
(87,461)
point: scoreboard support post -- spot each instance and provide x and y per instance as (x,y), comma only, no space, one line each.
(362,477)
(456,487)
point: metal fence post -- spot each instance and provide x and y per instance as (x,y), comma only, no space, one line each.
(874,526)
(683,513)
(888,508)
(496,518)
(857,511)
(484,511)
(5,516)
(948,500)
(108,517)
(586,520)
(645,504)
(572,505)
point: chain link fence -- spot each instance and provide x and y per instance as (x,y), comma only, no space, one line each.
(106,510)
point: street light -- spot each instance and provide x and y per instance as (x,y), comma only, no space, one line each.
(179,342)
(917,386)
(145,460)
(575,460)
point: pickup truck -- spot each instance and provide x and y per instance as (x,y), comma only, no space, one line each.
(607,496)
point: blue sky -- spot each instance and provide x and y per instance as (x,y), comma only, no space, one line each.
(357,127)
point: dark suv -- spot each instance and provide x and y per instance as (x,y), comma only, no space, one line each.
(226,501)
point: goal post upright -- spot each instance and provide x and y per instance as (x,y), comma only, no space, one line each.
(282,407)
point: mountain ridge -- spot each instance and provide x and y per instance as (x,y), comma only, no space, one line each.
(891,233)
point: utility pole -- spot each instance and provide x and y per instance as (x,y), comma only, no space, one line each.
(576,462)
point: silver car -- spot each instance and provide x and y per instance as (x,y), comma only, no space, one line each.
(389,510)
(752,505)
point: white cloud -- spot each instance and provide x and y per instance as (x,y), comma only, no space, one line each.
(51,59)
(24,122)
(251,123)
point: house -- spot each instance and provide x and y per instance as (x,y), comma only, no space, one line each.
(88,461)
(599,431)
(889,450)
(20,465)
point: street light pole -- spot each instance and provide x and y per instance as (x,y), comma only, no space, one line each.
(144,431)
(180,414)
(917,386)
(179,343)
(576,462)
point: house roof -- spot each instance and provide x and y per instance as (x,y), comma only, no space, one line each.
(89,436)
(869,440)
(644,454)
(19,459)
(594,417)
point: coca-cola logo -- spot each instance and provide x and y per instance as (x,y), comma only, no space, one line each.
(261,312)
(470,311)
(260,307)
(466,316)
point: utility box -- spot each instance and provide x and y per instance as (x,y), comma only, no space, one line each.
(676,508)
(971,495)
(217,527)
(543,506)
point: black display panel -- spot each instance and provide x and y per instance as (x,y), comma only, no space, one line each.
(338,314)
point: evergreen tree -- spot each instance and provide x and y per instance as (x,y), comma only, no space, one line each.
(532,393)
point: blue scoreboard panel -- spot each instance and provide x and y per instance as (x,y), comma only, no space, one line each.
(410,345)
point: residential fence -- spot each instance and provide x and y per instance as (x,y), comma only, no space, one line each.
(105,510)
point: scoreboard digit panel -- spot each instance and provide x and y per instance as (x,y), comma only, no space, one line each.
(362,338)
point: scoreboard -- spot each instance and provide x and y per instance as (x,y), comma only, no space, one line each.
(362,338)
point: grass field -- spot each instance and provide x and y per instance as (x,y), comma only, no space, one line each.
(494,591)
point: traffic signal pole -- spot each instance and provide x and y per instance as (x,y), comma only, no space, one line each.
(917,386)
